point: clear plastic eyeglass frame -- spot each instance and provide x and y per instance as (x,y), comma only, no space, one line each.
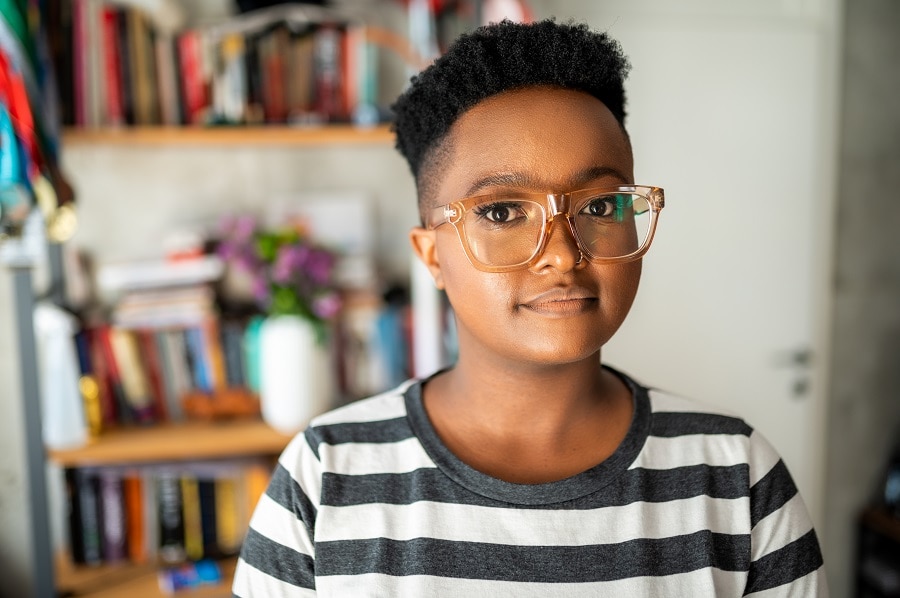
(554,205)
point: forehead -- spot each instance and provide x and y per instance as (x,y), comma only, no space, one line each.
(540,139)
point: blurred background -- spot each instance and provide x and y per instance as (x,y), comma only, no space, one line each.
(772,288)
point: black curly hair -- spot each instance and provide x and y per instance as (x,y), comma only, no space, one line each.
(496,58)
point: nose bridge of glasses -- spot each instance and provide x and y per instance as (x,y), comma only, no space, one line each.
(559,204)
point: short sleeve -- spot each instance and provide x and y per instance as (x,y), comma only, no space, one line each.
(278,554)
(785,556)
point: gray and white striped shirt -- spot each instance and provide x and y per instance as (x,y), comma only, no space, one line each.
(369,502)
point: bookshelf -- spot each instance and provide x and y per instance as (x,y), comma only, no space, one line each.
(327,135)
(134,581)
(89,153)
(176,441)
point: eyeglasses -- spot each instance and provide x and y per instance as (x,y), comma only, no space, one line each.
(501,232)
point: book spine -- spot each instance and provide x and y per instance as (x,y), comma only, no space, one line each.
(171,518)
(75,517)
(112,516)
(79,61)
(126,69)
(135,521)
(150,504)
(206,490)
(228,515)
(87,489)
(327,68)
(199,365)
(117,391)
(231,341)
(112,71)
(126,353)
(195,96)
(152,361)
(193,523)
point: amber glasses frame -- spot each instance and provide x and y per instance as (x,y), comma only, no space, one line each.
(553,205)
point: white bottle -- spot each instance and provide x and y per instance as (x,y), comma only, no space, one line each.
(62,409)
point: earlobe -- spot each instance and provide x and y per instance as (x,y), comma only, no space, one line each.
(425,248)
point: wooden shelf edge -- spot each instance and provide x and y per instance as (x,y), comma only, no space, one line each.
(128,579)
(230,135)
(189,441)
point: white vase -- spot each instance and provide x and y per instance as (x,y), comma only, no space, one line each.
(296,380)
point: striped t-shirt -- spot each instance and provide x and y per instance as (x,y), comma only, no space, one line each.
(369,502)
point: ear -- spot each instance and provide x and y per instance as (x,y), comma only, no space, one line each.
(423,244)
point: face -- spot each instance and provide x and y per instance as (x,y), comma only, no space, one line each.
(557,310)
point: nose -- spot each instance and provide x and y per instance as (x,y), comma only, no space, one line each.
(561,251)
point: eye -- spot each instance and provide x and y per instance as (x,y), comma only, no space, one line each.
(500,212)
(601,207)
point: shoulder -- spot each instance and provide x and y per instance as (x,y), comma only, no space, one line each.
(343,439)
(720,437)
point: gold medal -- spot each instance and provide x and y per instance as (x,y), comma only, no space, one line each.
(61,220)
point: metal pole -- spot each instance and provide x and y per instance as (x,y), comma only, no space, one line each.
(43,579)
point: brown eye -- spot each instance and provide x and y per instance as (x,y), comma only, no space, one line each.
(500,213)
(600,207)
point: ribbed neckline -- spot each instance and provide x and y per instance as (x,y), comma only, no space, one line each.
(574,487)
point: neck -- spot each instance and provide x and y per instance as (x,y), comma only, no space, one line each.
(525,398)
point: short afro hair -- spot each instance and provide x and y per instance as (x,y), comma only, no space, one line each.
(501,57)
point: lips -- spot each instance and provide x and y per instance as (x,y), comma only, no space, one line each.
(561,301)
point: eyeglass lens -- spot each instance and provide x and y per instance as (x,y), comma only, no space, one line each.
(509,232)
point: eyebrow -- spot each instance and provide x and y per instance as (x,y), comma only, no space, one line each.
(529,180)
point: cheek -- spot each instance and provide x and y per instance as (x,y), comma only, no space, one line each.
(619,288)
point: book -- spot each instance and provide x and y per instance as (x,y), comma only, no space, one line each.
(197,359)
(206,491)
(135,384)
(117,277)
(118,403)
(112,516)
(135,516)
(231,339)
(170,517)
(230,518)
(85,527)
(154,369)
(191,516)
(150,508)
(115,110)
(175,382)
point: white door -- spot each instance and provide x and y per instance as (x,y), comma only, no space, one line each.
(734,115)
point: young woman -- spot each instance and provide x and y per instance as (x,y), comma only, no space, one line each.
(529,468)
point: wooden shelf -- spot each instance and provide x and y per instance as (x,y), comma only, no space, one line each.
(133,581)
(168,442)
(230,136)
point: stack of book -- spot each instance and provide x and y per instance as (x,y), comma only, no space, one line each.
(116,67)
(165,513)
(165,338)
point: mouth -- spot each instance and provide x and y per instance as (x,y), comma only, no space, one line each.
(561,302)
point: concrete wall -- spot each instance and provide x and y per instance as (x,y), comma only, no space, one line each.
(864,418)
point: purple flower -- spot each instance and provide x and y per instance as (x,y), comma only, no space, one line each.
(260,288)
(319,266)
(327,306)
(289,262)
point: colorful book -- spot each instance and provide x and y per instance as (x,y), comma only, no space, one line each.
(135,384)
(112,516)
